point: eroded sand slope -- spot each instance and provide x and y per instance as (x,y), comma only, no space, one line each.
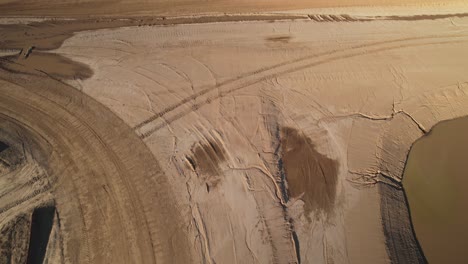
(238,142)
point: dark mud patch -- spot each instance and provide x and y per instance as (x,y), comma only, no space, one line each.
(311,176)
(31,40)
(41,225)
(281,39)
(205,159)
(49,35)
(51,64)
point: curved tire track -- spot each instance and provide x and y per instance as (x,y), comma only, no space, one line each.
(146,127)
(114,201)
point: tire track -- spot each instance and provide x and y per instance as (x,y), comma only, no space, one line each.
(146,128)
(265,69)
(88,155)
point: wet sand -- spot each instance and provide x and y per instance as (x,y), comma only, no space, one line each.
(435,182)
(182,7)
(310,176)
(253,138)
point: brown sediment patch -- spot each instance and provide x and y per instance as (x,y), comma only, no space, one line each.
(50,63)
(30,40)
(282,39)
(310,176)
(50,34)
(205,160)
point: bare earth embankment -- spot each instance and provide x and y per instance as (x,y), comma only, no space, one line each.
(241,138)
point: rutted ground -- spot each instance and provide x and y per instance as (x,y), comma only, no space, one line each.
(100,204)
(252,142)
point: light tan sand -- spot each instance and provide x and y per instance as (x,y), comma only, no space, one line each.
(85,8)
(277,140)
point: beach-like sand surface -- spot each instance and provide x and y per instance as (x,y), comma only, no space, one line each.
(85,8)
(219,132)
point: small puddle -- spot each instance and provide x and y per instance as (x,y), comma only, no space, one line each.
(435,181)
(41,225)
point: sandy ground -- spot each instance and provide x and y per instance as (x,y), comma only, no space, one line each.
(276,140)
(67,8)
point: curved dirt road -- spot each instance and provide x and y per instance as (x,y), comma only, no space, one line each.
(113,202)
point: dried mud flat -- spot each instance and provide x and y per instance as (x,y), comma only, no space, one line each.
(218,138)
